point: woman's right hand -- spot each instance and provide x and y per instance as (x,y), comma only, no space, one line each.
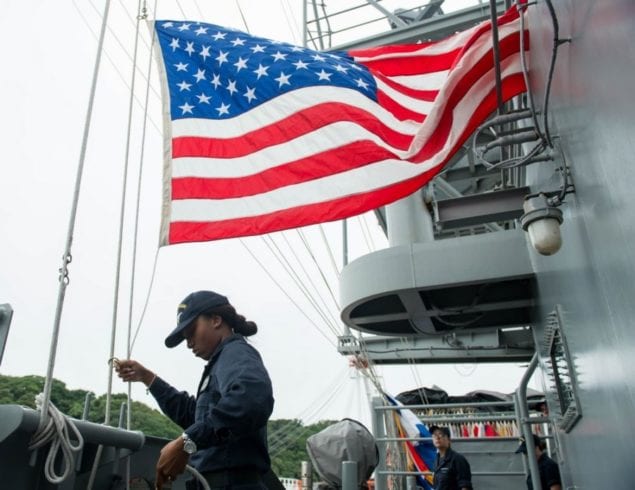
(130,370)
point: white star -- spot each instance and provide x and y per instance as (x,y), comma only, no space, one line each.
(215,81)
(184,85)
(240,64)
(341,69)
(186,108)
(279,56)
(261,71)
(201,30)
(238,42)
(361,83)
(282,79)
(221,58)
(258,48)
(205,52)
(200,75)
(189,48)
(323,75)
(317,57)
(300,64)
(184,27)
(219,35)
(223,109)
(231,86)
(174,44)
(250,94)
(181,66)
(204,99)
(357,67)
(168,24)
(295,49)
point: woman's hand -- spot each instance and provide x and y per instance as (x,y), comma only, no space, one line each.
(130,370)
(172,462)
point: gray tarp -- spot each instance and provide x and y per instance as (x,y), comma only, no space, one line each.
(347,440)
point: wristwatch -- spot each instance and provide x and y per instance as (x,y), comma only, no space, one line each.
(189,446)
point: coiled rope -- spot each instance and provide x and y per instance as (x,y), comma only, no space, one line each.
(56,431)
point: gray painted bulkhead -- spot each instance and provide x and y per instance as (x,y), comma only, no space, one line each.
(592,277)
(590,281)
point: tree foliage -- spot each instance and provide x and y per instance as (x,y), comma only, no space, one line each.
(287,437)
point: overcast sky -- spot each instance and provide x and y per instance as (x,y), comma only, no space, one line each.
(47,51)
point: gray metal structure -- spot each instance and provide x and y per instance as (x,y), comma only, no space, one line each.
(588,284)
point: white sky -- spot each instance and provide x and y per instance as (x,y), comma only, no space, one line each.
(47,51)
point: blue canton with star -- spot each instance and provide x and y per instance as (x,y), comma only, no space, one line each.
(218,73)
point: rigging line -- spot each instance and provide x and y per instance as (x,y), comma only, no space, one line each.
(67,257)
(122,212)
(366,240)
(300,431)
(282,260)
(326,283)
(328,389)
(329,250)
(286,294)
(120,43)
(310,279)
(142,15)
(242,16)
(181,9)
(114,65)
(200,12)
(141,158)
(288,13)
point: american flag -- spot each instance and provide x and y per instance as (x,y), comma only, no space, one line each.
(262,136)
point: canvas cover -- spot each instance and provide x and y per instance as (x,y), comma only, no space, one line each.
(347,440)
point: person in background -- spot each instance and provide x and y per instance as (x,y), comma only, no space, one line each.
(225,424)
(451,469)
(547,467)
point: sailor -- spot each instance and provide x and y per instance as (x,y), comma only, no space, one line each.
(451,469)
(547,467)
(225,424)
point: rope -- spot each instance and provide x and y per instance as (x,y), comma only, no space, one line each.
(66,258)
(56,431)
(199,477)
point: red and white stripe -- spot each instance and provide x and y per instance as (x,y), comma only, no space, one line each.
(325,153)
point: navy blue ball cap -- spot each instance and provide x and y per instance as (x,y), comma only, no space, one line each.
(191,307)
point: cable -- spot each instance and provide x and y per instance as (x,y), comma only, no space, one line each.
(242,242)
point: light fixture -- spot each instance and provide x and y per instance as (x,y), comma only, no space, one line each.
(542,222)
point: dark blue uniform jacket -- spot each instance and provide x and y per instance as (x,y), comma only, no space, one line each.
(228,418)
(452,472)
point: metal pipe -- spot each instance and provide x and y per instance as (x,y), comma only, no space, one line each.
(452,405)
(305,474)
(349,475)
(27,420)
(379,431)
(525,424)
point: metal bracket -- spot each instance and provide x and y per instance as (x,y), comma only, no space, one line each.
(561,371)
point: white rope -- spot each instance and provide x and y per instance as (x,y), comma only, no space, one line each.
(56,431)
(66,258)
(199,477)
